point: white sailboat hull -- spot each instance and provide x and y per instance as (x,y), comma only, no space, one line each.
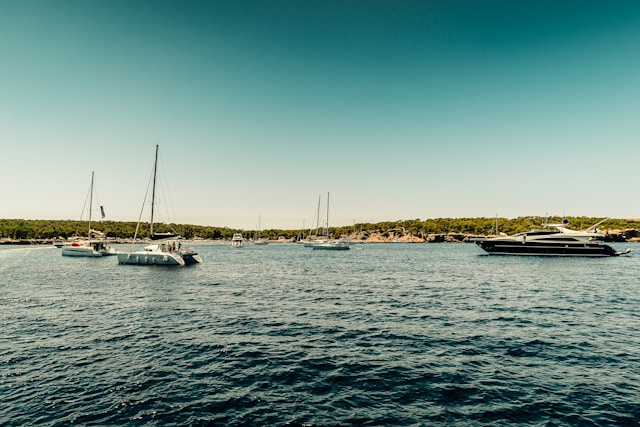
(332,246)
(80,251)
(312,243)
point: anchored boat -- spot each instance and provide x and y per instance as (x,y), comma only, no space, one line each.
(92,246)
(556,240)
(168,250)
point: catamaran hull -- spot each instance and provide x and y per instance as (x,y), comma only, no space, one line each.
(150,259)
(109,251)
(191,258)
(504,247)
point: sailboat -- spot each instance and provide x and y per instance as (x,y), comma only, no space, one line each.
(168,250)
(333,245)
(313,239)
(258,240)
(91,247)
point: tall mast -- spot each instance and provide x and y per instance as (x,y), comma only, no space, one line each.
(318,217)
(327,215)
(153,191)
(90,204)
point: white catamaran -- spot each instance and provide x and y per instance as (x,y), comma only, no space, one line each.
(169,249)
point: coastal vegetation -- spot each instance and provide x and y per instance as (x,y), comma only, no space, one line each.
(21,229)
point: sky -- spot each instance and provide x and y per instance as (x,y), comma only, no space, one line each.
(398,109)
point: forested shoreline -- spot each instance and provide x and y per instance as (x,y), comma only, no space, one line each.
(21,230)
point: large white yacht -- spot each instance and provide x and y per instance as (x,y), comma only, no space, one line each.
(556,240)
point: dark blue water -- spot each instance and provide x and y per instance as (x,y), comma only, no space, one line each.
(386,335)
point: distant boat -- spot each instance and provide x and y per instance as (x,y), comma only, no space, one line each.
(258,240)
(237,241)
(309,243)
(80,249)
(313,238)
(168,251)
(330,245)
(90,247)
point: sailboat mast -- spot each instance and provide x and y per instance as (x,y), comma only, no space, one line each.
(153,191)
(327,215)
(90,204)
(318,216)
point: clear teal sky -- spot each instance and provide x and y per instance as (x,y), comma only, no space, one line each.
(402,110)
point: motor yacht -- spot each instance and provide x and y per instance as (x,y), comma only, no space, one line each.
(556,239)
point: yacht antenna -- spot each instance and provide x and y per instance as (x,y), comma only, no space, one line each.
(593,227)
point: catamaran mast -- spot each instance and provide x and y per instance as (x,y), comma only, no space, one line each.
(153,191)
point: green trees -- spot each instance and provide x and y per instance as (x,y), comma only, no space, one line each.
(480,226)
(19,229)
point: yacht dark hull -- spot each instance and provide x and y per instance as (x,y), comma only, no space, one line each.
(559,248)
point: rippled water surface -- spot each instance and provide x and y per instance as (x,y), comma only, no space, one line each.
(385,334)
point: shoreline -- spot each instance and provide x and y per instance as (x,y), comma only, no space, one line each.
(621,236)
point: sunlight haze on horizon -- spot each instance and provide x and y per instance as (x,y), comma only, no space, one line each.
(399,110)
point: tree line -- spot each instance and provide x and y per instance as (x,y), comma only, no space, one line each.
(482,226)
(20,229)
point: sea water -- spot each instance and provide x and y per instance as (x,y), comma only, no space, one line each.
(383,334)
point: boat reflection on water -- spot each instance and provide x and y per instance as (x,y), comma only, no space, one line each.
(557,240)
